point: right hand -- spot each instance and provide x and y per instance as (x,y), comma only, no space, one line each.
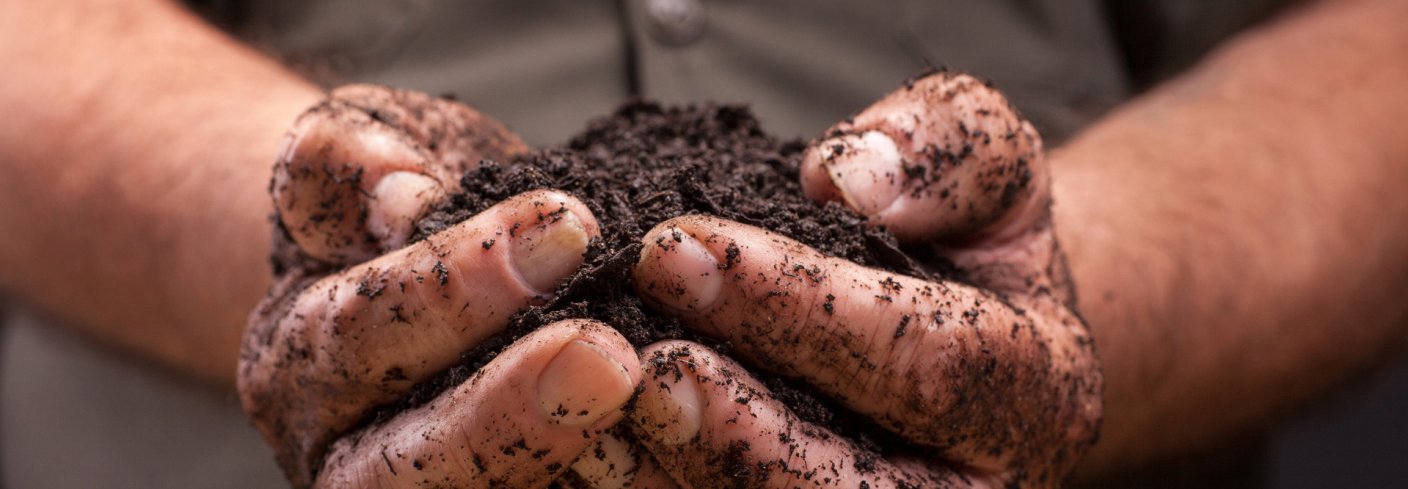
(342,333)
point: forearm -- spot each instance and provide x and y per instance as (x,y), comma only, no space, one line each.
(136,150)
(1238,235)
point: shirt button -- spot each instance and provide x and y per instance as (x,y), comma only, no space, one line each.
(675,22)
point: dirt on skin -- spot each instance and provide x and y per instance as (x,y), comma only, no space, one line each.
(1029,399)
(641,166)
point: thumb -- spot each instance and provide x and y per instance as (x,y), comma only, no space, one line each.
(945,158)
(360,168)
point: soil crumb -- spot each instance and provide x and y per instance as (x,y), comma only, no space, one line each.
(646,164)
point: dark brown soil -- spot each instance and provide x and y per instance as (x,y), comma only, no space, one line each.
(646,164)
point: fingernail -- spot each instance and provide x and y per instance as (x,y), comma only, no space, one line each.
(398,199)
(582,384)
(866,169)
(549,252)
(672,410)
(689,278)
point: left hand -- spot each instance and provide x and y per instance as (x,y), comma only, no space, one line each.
(993,379)
(358,318)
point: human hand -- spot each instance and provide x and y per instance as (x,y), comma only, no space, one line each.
(992,377)
(343,333)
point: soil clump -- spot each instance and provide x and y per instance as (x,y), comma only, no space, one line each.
(646,164)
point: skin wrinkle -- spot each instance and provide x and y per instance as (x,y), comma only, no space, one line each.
(387,478)
(861,370)
(794,292)
(905,354)
(814,310)
(465,463)
(365,318)
(441,293)
(456,280)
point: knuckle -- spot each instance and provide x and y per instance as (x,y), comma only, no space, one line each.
(783,300)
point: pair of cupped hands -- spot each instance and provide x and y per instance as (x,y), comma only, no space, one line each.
(991,379)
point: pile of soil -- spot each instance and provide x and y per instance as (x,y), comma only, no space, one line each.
(646,164)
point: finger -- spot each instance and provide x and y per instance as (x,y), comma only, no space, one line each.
(518,422)
(347,186)
(932,362)
(613,462)
(359,169)
(456,136)
(712,425)
(945,158)
(365,336)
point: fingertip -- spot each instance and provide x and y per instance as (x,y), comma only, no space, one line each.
(677,269)
(941,159)
(590,377)
(816,183)
(331,162)
(670,408)
(612,343)
(549,233)
(563,200)
(864,170)
(397,202)
(546,206)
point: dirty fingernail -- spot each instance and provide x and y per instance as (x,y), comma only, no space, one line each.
(582,384)
(397,201)
(866,169)
(549,252)
(672,409)
(688,277)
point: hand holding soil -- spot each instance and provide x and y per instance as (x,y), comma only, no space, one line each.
(339,336)
(940,350)
(989,378)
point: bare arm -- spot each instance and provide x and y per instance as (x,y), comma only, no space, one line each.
(1239,235)
(135,150)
